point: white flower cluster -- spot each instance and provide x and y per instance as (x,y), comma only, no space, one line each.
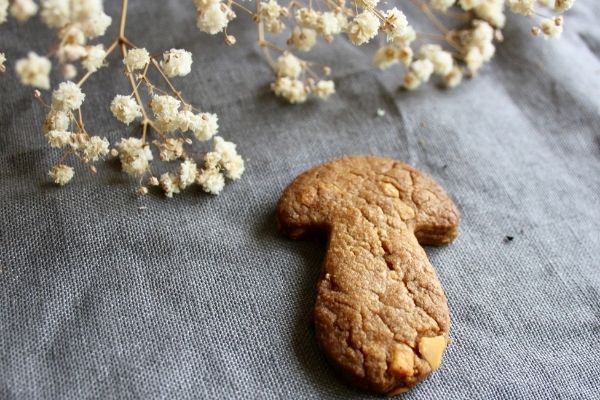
(169,118)
(61,174)
(21,10)
(213,16)
(173,118)
(221,163)
(270,15)
(77,23)
(326,24)
(478,47)
(432,60)
(175,123)
(58,130)
(465,50)
(125,109)
(476,44)
(135,154)
(176,62)
(289,85)
(3,10)
(136,59)
(551,27)
(34,71)
(363,28)
(492,11)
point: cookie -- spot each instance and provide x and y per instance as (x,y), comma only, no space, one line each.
(381,315)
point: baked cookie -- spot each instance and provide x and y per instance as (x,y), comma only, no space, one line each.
(381,316)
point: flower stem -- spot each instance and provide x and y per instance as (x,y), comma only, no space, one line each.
(131,79)
(123,19)
(168,81)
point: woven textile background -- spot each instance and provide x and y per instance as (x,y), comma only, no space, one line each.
(199,297)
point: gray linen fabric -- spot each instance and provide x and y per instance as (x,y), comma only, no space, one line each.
(199,297)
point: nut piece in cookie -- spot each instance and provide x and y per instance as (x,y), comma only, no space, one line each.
(381,316)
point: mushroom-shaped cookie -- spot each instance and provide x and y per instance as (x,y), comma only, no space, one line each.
(381,316)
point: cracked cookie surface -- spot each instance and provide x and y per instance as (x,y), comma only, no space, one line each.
(381,316)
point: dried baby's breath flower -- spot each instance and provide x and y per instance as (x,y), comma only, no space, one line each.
(3,10)
(470,4)
(170,149)
(96,25)
(230,40)
(303,38)
(231,162)
(270,14)
(176,62)
(94,58)
(422,68)
(211,180)
(552,27)
(67,97)
(187,172)
(213,19)
(34,71)
(271,9)
(328,25)
(492,11)
(463,49)
(523,7)
(94,149)
(442,60)
(386,56)
(307,18)
(363,28)
(288,65)
(137,59)
(205,126)
(411,81)
(563,5)
(453,78)
(293,90)
(442,5)
(58,139)
(166,111)
(165,106)
(201,4)
(56,120)
(22,10)
(323,89)
(55,13)
(479,48)
(153,181)
(405,55)
(397,28)
(135,156)
(2,61)
(69,71)
(368,4)
(169,182)
(61,174)
(186,119)
(125,109)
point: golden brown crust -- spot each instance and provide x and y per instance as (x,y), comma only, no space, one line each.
(379,300)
